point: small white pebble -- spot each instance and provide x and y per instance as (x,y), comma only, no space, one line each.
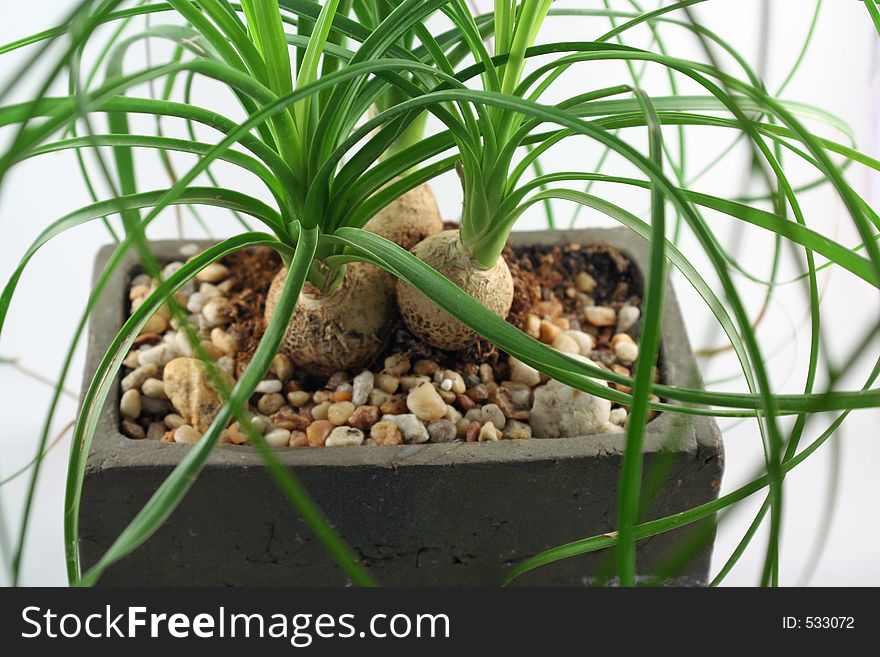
(446,384)
(267,386)
(618,416)
(277,438)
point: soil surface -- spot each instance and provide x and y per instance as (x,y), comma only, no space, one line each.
(582,299)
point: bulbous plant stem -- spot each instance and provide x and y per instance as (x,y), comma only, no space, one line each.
(343,315)
(491,286)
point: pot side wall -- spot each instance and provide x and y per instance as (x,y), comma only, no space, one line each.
(458,514)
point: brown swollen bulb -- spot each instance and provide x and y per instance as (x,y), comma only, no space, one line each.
(409,219)
(342,330)
(492,287)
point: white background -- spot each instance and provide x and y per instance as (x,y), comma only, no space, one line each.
(839,74)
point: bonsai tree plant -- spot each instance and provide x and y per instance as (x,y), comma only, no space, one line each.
(334,136)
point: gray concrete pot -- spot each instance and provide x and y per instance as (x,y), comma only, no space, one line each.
(418,515)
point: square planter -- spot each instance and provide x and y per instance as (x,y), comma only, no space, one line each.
(458,514)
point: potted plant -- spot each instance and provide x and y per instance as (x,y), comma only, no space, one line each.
(510,406)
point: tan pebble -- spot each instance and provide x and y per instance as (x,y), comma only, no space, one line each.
(386,433)
(270,403)
(187,435)
(173,420)
(378,397)
(447,395)
(653,413)
(133,430)
(584,282)
(211,350)
(298,398)
(410,382)
(339,412)
(213,273)
(425,367)
(458,386)
(156,324)
(533,326)
(364,417)
(566,344)
(322,396)
(425,403)
(461,427)
(549,332)
(277,437)
(626,352)
(479,393)
(584,340)
(224,341)
(298,439)
(165,311)
(487,374)
(130,404)
(282,366)
(395,405)
(153,388)
(319,411)
(522,373)
(138,292)
(489,433)
(397,364)
(132,359)
(317,432)
(156,430)
(342,395)
(516,430)
(623,371)
(287,419)
(237,435)
(136,378)
(492,413)
(259,423)
(562,322)
(387,383)
(600,316)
